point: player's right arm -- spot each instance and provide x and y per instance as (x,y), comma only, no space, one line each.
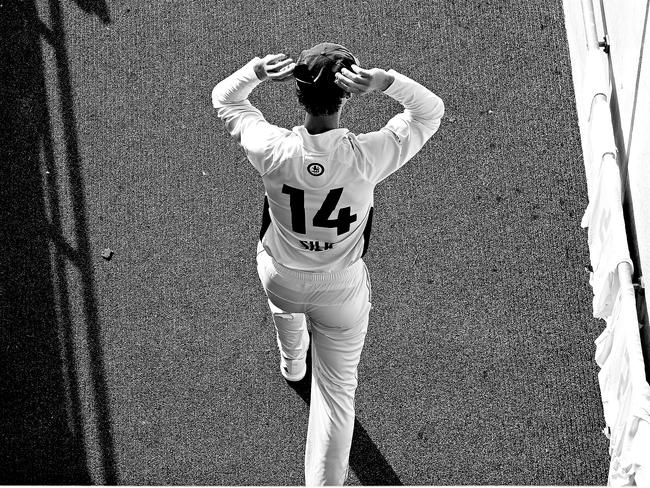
(242,120)
(404,135)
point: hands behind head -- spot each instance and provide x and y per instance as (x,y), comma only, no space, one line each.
(279,67)
(275,67)
(363,80)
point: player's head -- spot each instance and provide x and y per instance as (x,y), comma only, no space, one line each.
(314,74)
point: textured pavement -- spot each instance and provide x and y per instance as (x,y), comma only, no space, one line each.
(478,366)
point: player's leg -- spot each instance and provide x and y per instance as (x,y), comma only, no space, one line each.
(331,414)
(338,335)
(288,318)
(293,342)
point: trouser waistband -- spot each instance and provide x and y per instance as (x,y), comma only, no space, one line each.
(341,275)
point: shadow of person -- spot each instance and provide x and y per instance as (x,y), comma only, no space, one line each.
(366,460)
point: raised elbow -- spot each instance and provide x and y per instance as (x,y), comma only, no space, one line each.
(439,112)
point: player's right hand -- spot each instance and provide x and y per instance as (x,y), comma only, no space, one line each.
(363,80)
(276,67)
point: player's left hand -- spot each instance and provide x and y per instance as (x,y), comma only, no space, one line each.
(361,80)
(275,67)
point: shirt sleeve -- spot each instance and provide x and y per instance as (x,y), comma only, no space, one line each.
(388,149)
(261,140)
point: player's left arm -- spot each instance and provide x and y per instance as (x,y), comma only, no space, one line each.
(242,120)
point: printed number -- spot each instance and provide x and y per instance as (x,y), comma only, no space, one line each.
(297,204)
(322,217)
(344,219)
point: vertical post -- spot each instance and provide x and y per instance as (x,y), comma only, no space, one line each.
(589,20)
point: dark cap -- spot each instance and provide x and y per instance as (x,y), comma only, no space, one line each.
(318,64)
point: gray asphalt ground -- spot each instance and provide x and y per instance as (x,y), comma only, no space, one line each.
(478,366)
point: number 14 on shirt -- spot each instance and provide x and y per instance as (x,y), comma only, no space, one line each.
(322,218)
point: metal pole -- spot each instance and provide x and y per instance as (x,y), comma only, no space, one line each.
(589,20)
(591,33)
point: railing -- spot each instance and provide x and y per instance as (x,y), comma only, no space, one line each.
(624,390)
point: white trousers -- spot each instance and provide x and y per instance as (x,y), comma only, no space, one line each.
(337,305)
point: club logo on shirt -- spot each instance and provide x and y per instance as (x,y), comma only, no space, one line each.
(315,169)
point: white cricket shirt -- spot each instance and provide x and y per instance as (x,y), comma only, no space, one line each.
(319,187)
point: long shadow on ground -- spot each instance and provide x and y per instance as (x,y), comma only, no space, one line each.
(43,430)
(366,460)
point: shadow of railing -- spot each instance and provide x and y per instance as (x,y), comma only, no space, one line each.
(46,436)
(366,460)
